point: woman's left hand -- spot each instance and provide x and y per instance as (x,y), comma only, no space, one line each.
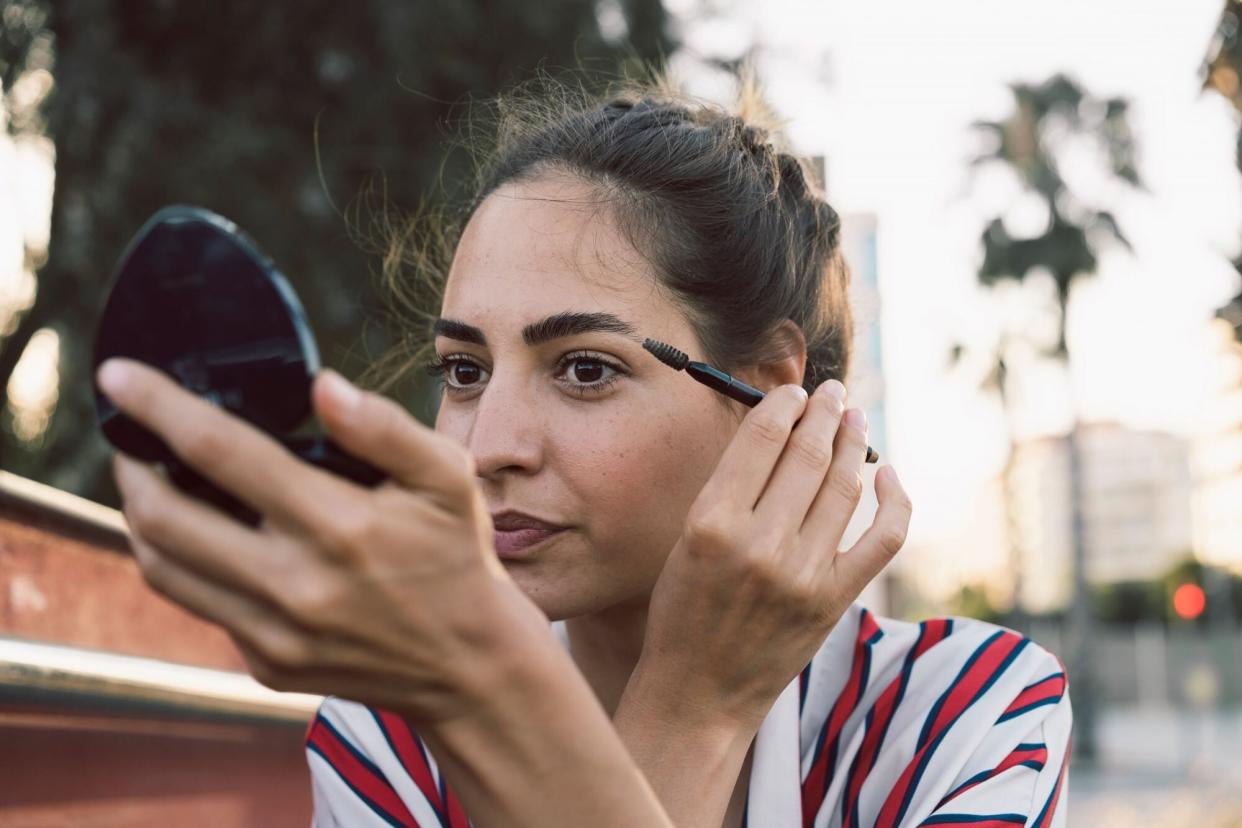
(757,580)
(391,596)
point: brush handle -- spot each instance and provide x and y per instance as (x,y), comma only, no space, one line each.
(735,389)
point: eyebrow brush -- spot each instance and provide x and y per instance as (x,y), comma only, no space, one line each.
(716,379)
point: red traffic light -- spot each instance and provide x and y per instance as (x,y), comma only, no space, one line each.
(1189,601)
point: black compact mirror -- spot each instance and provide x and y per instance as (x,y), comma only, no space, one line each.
(193,296)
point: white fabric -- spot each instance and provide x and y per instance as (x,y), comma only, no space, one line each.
(935,753)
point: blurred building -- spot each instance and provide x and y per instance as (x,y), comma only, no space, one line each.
(1136,490)
(865,383)
(1217,449)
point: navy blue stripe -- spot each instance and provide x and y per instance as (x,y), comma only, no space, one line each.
(906,667)
(1030,746)
(803,686)
(1049,677)
(1018,711)
(819,741)
(927,755)
(849,774)
(925,733)
(941,819)
(978,777)
(374,806)
(440,816)
(864,677)
(1056,787)
(366,763)
(981,776)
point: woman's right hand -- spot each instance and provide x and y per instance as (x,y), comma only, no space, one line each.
(391,596)
(757,580)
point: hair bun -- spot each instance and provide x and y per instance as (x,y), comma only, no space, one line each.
(620,104)
(755,138)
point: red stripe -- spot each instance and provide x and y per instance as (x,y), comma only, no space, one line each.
(457,817)
(1039,755)
(411,756)
(962,693)
(1051,809)
(362,778)
(933,633)
(1052,687)
(975,823)
(937,631)
(867,626)
(813,786)
(1017,757)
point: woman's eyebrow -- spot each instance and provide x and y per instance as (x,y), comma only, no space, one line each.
(454,329)
(556,326)
(567,324)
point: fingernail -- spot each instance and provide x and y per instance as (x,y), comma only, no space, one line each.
(856,418)
(835,388)
(112,376)
(893,474)
(341,390)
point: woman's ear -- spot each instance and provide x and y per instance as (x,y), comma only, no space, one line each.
(786,363)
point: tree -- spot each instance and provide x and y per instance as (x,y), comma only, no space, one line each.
(274,115)
(1027,142)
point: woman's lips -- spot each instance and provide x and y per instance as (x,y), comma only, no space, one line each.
(520,543)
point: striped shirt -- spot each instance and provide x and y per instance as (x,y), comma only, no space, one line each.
(947,722)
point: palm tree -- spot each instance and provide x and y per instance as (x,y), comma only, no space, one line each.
(1026,142)
(995,380)
(1221,72)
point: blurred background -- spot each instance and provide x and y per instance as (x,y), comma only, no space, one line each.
(1043,213)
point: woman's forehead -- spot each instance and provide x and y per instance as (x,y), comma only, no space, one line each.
(551,246)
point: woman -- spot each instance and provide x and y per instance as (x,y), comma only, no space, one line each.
(685,547)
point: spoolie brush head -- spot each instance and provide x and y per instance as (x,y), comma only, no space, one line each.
(667,354)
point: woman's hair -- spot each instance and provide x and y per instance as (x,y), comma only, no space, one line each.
(735,228)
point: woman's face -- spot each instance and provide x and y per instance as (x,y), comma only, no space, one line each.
(574,424)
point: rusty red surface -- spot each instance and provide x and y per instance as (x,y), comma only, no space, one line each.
(78,761)
(65,590)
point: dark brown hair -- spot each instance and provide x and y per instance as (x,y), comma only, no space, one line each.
(736,230)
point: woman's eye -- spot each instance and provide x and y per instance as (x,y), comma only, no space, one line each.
(458,373)
(464,373)
(585,373)
(588,370)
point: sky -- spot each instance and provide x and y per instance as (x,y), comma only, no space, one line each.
(887,91)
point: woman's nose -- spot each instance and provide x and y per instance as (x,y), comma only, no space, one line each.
(506,434)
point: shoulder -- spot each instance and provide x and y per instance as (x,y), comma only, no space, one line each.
(896,714)
(974,659)
(369,766)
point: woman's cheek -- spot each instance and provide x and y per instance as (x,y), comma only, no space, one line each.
(640,479)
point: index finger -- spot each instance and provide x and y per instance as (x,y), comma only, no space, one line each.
(222,447)
(747,462)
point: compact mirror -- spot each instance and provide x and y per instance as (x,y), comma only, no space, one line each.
(193,296)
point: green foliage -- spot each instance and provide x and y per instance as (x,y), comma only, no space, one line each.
(276,116)
(1132,602)
(972,601)
(1129,602)
(1027,142)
